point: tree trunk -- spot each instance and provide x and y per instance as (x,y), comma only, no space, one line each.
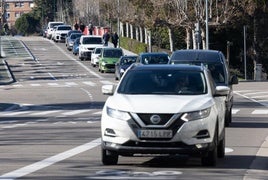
(188,38)
(170,39)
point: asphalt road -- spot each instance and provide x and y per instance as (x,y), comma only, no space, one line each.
(50,124)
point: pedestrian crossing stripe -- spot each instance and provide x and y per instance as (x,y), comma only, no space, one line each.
(65,113)
(260,111)
(57,84)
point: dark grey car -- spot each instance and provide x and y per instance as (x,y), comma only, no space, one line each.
(216,63)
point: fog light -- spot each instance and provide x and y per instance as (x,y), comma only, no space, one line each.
(199,146)
(109,132)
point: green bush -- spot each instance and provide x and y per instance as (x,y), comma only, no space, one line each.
(132,45)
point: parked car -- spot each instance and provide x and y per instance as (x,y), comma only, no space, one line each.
(44,32)
(76,46)
(87,44)
(70,40)
(108,58)
(69,33)
(60,33)
(50,27)
(122,64)
(216,63)
(164,109)
(153,58)
(95,56)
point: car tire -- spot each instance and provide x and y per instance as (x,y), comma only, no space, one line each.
(109,157)
(228,117)
(221,146)
(210,159)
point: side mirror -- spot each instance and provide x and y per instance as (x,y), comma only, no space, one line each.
(234,80)
(222,90)
(108,89)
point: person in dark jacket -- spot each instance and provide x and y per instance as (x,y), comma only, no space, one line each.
(106,38)
(115,39)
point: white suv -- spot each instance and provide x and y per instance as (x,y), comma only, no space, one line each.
(164,109)
(50,27)
(60,33)
(87,44)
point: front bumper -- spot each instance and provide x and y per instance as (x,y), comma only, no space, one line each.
(135,148)
(193,137)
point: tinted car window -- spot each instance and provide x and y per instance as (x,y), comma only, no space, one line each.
(155,59)
(216,69)
(92,40)
(113,53)
(171,82)
(128,60)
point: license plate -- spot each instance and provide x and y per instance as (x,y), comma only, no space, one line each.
(155,133)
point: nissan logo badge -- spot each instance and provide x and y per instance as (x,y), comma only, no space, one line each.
(155,119)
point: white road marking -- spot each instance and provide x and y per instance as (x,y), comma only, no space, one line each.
(15,113)
(45,112)
(106,82)
(35,85)
(89,83)
(51,160)
(53,84)
(234,111)
(75,112)
(260,111)
(71,83)
(98,113)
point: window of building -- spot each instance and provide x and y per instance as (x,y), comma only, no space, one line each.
(7,15)
(31,4)
(7,6)
(17,14)
(19,4)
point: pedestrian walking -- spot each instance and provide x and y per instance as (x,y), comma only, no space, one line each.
(115,39)
(106,38)
(82,27)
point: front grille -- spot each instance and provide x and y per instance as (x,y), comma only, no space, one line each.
(110,66)
(174,125)
(146,118)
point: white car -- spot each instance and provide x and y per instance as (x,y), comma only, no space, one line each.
(164,109)
(50,27)
(60,33)
(95,56)
(87,44)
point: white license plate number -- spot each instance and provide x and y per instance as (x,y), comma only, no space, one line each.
(155,133)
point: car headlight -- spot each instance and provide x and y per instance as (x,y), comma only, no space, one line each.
(122,71)
(114,113)
(103,63)
(190,116)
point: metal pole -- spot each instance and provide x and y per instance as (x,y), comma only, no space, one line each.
(118,21)
(207,39)
(245,53)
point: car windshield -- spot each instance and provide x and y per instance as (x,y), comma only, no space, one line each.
(75,35)
(128,60)
(112,53)
(216,69)
(166,82)
(155,59)
(97,51)
(92,40)
(64,28)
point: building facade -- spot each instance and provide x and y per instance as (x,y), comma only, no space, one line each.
(11,10)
